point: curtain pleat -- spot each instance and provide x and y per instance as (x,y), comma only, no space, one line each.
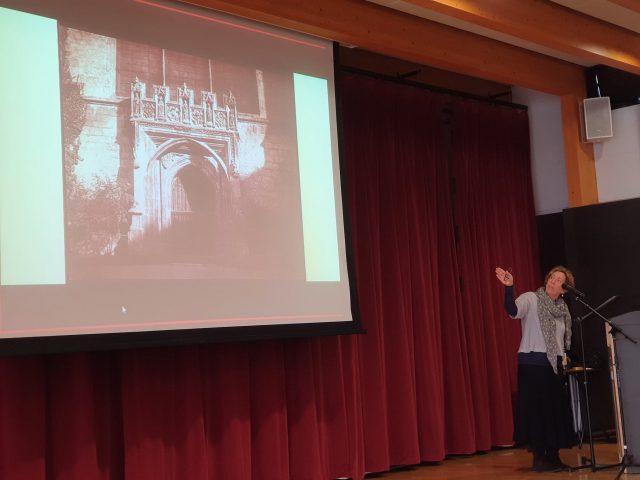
(83,410)
(268,396)
(496,223)
(23,418)
(439,194)
(163,414)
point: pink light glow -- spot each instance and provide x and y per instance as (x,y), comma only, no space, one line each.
(229,24)
(89,328)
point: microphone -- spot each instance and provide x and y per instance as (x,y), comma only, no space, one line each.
(573,290)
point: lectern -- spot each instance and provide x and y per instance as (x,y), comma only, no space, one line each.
(625,359)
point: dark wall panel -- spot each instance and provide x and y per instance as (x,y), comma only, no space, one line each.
(603,250)
(551,241)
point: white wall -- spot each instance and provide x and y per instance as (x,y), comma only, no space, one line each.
(618,159)
(549,174)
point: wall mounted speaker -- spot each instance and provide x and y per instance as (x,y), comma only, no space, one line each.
(597,119)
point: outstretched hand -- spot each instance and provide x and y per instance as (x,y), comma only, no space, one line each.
(505,277)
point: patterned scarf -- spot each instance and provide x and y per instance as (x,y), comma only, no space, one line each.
(548,312)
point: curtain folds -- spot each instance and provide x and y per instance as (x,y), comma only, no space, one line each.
(439,194)
(495,221)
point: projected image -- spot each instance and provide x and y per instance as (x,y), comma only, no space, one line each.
(176,166)
(167,172)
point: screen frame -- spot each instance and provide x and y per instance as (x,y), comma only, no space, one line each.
(194,336)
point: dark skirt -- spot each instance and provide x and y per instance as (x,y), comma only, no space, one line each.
(543,411)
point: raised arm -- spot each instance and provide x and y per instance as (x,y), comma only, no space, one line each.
(506,278)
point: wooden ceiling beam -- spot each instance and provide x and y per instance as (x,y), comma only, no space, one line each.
(550,25)
(633,5)
(390,32)
(400,35)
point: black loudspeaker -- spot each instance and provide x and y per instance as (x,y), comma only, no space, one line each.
(596,123)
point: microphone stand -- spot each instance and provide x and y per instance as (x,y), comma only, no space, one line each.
(626,459)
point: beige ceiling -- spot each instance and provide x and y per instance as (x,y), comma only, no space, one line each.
(611,12)
(584,32)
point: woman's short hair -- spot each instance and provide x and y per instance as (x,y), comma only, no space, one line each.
(567,273)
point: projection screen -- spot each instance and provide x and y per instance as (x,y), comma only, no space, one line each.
(169,175)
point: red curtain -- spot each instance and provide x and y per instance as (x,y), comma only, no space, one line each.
(433,375)
(495,221)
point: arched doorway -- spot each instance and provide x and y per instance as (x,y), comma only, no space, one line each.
(182,203)
(196,213)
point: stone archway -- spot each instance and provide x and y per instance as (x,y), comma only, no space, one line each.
(183,179)
(214,140)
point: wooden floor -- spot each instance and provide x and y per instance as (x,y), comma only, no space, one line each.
(511,464)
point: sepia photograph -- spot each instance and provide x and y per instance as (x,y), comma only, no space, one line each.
(176,166)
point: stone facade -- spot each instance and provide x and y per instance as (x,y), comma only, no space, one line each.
(162,141)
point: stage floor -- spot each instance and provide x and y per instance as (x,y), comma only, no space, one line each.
(510,464)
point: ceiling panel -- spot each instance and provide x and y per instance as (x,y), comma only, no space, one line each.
(604,31)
